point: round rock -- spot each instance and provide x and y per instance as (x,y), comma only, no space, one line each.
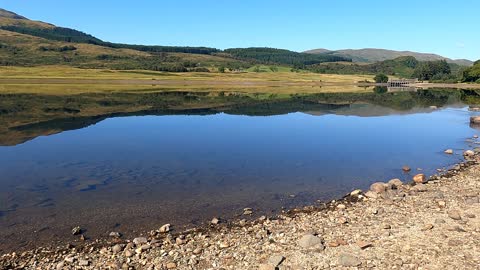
(310,241)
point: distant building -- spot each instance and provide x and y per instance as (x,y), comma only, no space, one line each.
(401,82)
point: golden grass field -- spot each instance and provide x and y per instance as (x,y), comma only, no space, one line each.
(58,80)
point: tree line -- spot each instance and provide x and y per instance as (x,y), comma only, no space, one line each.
(281,56)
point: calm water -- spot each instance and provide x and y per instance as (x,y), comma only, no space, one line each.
(134,173)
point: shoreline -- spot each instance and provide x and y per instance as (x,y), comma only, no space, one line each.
(287,240)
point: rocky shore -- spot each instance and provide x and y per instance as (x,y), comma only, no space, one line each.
(426,224)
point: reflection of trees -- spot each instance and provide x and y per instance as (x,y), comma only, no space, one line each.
(24,116)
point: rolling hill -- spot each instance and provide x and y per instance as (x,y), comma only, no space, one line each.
(370,55)
(24,42)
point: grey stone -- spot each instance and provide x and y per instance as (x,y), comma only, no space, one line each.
(310,241)
(276,260)
(349,260)
(140,241)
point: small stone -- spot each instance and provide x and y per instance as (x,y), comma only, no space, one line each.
(395,183)
(60,266)
(455,242)
(310,241)
(82,262)
(342,220)
(439,221)
(69,259)
(165,228)
(427,227)
(171,265)
(441,204)
(276,260)
(215,221)
(117,248)
(364,244)
(77,230)
(454,214)
(378,187)
(266,267)
(179,241)
(128,253)
(419,178)
(469,215)
(406,169)
(224,245)
(341,206)
(371,195)
(140,241)
(449,151)
(387,227)
(456,228)
(349,260)
(247,211)
(469,153)
(475,136)
(115,234)
(197,251)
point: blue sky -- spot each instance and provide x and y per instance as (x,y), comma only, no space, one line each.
(447,27)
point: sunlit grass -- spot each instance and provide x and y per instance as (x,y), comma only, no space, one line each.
(67,80)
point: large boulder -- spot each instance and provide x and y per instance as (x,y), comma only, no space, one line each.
(395,183)
(475,119)
(378,187)
(419,178)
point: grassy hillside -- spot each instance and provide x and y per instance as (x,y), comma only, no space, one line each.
(405,67)
(25,43)
(30,43)
(377,55)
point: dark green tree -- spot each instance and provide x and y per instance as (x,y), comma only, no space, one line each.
(381,78)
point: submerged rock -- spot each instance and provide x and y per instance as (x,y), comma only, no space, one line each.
(406,169)
(448,151)
(77,230)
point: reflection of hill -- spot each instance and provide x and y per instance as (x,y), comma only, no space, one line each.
(25,117)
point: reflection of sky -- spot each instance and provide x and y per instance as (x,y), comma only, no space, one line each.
(332,147)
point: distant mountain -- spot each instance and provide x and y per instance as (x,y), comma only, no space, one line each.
(370,55)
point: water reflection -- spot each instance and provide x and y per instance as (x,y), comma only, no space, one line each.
(24,117)
(128,162)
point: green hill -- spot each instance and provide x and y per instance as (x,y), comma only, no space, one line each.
(24,42)
(404,66)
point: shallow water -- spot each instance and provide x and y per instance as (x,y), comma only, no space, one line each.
(134,173)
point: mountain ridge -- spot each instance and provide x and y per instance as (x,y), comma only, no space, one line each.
(372,55)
